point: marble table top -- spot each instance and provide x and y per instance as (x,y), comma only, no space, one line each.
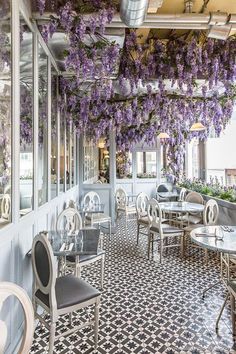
(181,207)
(215,238)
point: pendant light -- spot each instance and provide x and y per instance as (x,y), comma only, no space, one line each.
(163,135)
(197,127)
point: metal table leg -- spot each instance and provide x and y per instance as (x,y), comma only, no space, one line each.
(221,311)
(210,287)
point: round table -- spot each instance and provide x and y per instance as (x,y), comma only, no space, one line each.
(205,237)
(216,238)
(181,207)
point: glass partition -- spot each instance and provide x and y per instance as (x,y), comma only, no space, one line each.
(54,111)
(62,153)
(26,118)
(146,164)
(68,157)
(42,127)
(96,162)
(5,113)
(73,158)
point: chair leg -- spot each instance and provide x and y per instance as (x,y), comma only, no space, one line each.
(52,337)
(232,302)
(109,230)
(102,270)
(206,255)
(96,323)
(77,267)
(161,250)
(149,244)
(138,226)
(182,246)
(70,318)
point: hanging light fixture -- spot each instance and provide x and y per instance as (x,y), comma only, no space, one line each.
(163,135)
(197,127)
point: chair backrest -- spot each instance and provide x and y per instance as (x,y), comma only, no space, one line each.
(69,220)
(121,198)
(44,267)
(154,214)
(91,199)
(72,204)
(182,194)
(162,188)
(6,207)
(211,212)
(141,204)
(7,289)
(194,197)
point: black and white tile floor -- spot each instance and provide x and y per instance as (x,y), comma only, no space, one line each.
(150,308)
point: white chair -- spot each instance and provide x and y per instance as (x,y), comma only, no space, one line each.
(162,188)
(90,200)
(192,218)
(182,194)
(162,231)
(142,217)
(8,289)
(210,217)
(5,209)
(70,220)
(122,206)
(58,296)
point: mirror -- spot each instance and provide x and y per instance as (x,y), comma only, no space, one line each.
(54,113)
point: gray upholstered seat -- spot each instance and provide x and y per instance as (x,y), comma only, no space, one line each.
(166,229)
(70,291)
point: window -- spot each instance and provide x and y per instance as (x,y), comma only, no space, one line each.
(96,161)
(193,159)
(26,119)
(220,156)
(42,128)
(62,152)
(124,164)
(146,164)
(5,114)
(54,112)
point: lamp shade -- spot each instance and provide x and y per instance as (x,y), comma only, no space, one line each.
(197,127)
(163,135)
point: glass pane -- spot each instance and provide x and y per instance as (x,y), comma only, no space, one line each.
(73,158)
(123,164)
(146,164)
(5,113)
(54,108)
(62,152)
(26,119)
(42,128)
(96,162)
(68,174)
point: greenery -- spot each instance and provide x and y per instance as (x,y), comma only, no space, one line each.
(212,188)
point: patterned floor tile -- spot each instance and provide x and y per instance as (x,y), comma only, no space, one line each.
(148,307)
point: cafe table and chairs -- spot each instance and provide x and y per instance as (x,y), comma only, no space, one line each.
(93,211)
(182,208)
(221,239)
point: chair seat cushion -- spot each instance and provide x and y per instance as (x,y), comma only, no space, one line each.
(86,257)
(167,229)
(70,291)
(192,219)
(143,220)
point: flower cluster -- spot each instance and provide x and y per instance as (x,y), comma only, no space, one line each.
(213,188)
(190,65)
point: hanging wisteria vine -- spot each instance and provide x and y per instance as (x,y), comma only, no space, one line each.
(94,106)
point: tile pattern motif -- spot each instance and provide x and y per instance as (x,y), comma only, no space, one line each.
(150,308)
